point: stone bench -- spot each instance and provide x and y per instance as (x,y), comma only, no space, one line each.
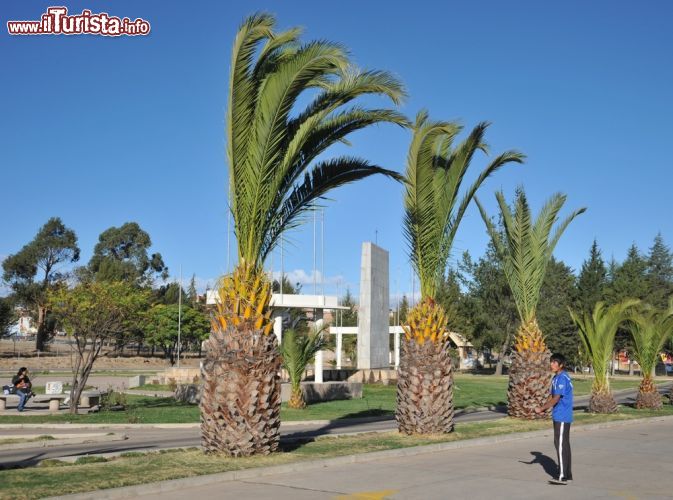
(54,400)
(87,399)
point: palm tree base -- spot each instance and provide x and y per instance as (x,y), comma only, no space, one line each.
(529,379)
(297,399)
(602,402)
(240,405)
(424,388)
(648,396)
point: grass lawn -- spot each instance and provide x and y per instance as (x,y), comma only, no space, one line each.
(471,391)
(137,468)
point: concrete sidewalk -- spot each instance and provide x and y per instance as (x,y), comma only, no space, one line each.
(626,461)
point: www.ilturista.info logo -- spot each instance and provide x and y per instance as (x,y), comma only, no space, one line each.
(56,21)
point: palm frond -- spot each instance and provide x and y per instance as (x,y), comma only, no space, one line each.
(597,334)
(526,248)
(650,328)
(434,175)
(268,150)
(298,351)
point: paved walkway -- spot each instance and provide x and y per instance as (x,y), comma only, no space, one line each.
(630,462)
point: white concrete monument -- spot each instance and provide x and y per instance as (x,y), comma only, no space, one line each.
(373,319)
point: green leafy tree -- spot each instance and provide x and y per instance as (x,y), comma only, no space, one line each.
(650,329)
(121,254)
(433,209)
(297,351)
(597,334)
(94,313)
(161,329)
(525,252)
(170,294)
(37,268)
(288,103)
(6,315)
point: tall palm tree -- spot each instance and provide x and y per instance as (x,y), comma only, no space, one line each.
(297,351)
(433,211)
(597,332)
(525,250)
(650,328)
(273,142)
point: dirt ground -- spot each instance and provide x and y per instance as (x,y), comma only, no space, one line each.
(22,353)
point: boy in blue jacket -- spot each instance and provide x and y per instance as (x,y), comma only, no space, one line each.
(561,402)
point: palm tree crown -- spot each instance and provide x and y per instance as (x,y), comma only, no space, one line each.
(433,210)
(526,247)
(270,150)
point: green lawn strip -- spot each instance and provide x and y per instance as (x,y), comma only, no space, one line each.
(138,468)
(378,400)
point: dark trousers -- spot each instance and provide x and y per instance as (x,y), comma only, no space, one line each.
(562,444)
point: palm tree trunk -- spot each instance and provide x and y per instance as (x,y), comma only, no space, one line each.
(297,398)
(424,388)
(529,375)
(648,395)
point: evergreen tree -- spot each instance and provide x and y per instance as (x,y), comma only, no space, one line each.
(404,309)
(192,294)
(592,280)
(629,280)
(659,273)
(492,311)
(559,293)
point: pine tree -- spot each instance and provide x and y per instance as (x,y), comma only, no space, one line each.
(404,309)
(629,280)
(592,280)
(659,273)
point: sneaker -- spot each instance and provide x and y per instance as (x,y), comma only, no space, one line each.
(558,481)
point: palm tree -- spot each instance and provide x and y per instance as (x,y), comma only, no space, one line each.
(597,332)
(274,180)
(525,250)
(297,352)
(650,328)
(433,211)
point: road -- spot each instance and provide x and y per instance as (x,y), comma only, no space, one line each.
(149,439)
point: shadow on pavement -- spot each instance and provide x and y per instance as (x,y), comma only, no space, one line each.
(547,463)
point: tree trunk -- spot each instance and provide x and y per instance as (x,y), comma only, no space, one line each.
(41,337)
(631,370)
(503,350)
(297,399)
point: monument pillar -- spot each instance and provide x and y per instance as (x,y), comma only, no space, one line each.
(373,320)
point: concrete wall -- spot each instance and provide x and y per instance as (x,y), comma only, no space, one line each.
(373,321)
(327,391)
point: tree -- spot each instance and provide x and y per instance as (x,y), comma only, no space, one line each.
(525,252)
(592,280)
(6,315)
(650,329)
(597,333)
(404,309)
(297,351)
(433,212)
(557,295)
(53,246)
(121,255)
(659,273)
(349,317)
(493,310)
(192,294)
(627,280)
(162,328)
(93,313)
(273,142)
(170,294)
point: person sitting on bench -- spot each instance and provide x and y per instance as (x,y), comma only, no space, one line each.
(23,387)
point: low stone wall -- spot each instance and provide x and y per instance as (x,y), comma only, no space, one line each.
(180,375)
(327,391)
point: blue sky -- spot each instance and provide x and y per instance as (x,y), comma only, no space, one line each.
(100,131)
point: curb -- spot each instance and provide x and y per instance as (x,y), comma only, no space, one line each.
(252,473)
(48,443)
